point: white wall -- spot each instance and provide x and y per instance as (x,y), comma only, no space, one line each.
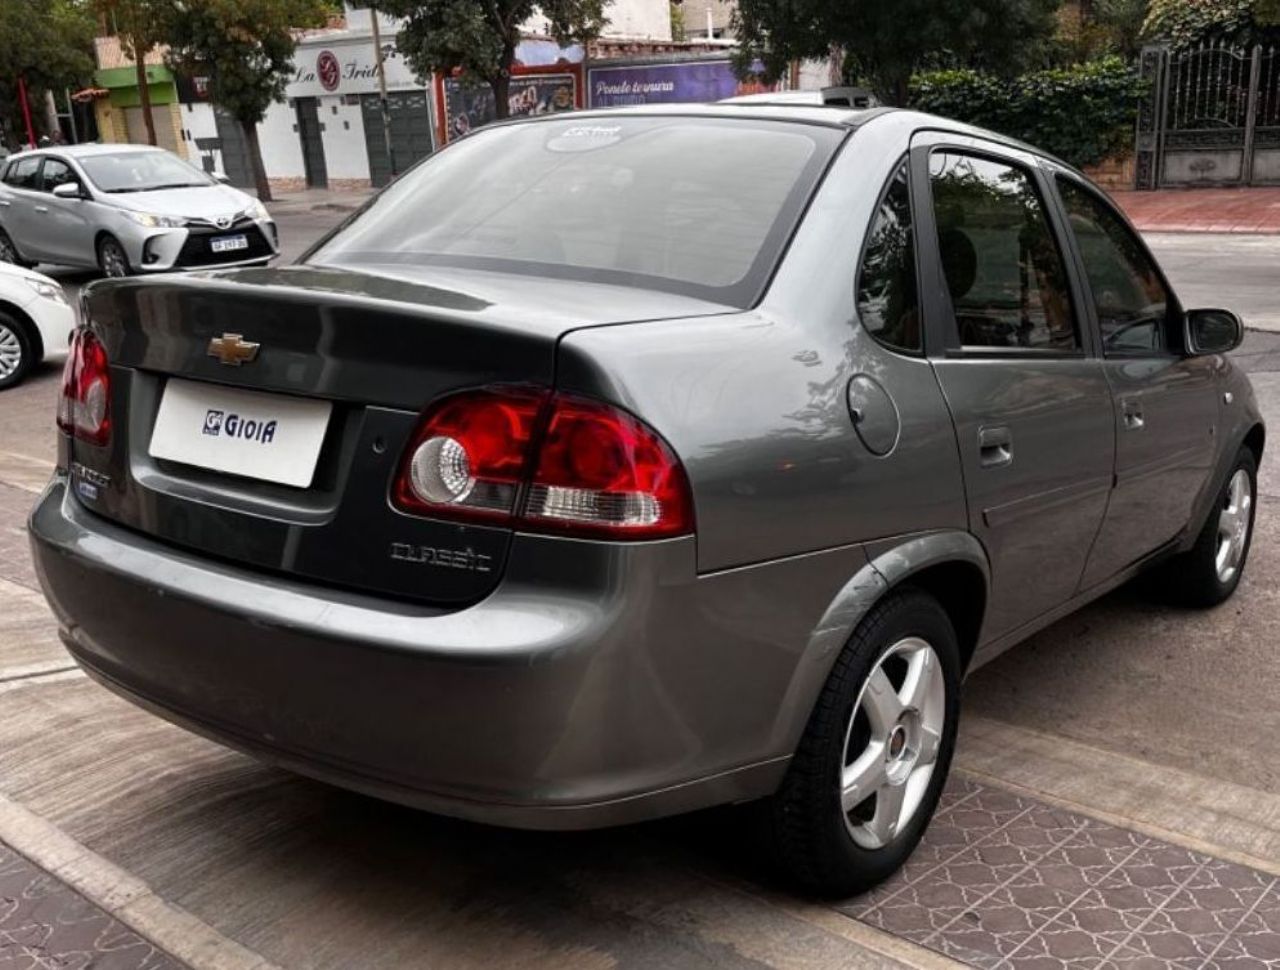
(281,147)
(345,155)
(198,122)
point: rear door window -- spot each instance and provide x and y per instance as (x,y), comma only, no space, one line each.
(1004,270)
(24,173)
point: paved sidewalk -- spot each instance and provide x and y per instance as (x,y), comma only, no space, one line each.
(45,924)
(1255,210)
(319,200)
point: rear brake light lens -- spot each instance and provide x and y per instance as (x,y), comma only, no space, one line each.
(469,456)
(84,406)
(552,463)
(603,472)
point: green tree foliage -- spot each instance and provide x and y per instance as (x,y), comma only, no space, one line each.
(245,47)
(1185,23)
(886,41)
(1083,114)
(50,45)
(140,25)
(479,37)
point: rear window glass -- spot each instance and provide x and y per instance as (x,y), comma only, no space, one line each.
(695,206)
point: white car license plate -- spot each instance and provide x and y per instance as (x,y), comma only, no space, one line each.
(227,244)
(264,436)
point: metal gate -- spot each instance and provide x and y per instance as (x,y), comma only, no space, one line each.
(1212,117)
(410,132)
(309,129)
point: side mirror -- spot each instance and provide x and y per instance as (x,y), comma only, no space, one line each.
(1213,331)
(68,190)
(218,176)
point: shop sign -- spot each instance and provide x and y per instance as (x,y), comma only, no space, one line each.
(346,68)
(682,81)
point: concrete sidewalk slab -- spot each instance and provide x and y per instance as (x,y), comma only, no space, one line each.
(1250,210)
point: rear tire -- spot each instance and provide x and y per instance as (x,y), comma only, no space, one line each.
(9,252)
(17,355)
(1209,572)
(112,259)
(866,777)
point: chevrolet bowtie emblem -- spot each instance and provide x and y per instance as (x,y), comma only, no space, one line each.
(232,349)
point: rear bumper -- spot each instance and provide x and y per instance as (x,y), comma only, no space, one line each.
(600,684)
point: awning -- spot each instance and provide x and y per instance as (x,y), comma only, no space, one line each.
(90,94)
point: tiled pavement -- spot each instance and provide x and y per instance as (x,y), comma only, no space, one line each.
(1253,210)
(44,925)
(15,554)
(1007,882)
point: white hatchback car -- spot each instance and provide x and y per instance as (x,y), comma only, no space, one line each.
(35,322)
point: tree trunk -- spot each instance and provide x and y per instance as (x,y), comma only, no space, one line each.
(144,93)
(255,160)
(501,95)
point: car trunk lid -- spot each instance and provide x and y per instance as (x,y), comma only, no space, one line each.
(367,350)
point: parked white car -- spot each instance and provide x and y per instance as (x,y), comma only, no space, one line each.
(35,322)
(126,209)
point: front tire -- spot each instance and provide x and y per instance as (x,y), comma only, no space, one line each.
(17,356)
(869,770)
(112,259)
(1209,572)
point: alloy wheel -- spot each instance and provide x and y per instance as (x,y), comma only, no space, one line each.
(10,352)
(114,263)
(892,742)
(1234,521)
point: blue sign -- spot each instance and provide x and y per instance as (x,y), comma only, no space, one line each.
(685,81)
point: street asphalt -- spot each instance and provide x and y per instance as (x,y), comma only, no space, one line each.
(1125,694)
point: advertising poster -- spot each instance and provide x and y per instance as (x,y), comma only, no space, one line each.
(470,106)
(685,81)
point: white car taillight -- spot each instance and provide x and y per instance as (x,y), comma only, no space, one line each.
(84,405)
(551,463)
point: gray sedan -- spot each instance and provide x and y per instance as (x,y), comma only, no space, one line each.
(126,209)
(622,464)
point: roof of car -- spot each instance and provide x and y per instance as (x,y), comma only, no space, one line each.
(83,151)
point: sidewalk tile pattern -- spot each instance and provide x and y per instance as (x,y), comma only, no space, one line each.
(1253,210)
(1008,883)
(45,925)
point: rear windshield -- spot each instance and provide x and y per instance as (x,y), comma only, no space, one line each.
(699,206)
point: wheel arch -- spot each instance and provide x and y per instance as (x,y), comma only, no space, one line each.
(950,565)
(1255,440)
(29,328)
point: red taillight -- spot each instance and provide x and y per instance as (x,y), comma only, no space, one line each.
(469,456)
(84,407)
(554,463)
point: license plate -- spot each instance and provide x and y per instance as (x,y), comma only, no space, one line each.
(227,244)
(263,436)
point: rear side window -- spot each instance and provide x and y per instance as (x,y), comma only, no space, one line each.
(696,206)
(1132,303)
(23,173)
(888,299)
(1004,271)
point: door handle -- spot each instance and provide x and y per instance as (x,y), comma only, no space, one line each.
(42,208)
(995,447)
(1131,413)
(4,203)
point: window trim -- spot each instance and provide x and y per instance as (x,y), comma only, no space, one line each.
(1175,338)
(944,340)
(902,164)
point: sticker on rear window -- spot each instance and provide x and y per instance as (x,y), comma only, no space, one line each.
(585,138)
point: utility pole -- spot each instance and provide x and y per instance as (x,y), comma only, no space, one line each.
(382,89)
(26,110)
